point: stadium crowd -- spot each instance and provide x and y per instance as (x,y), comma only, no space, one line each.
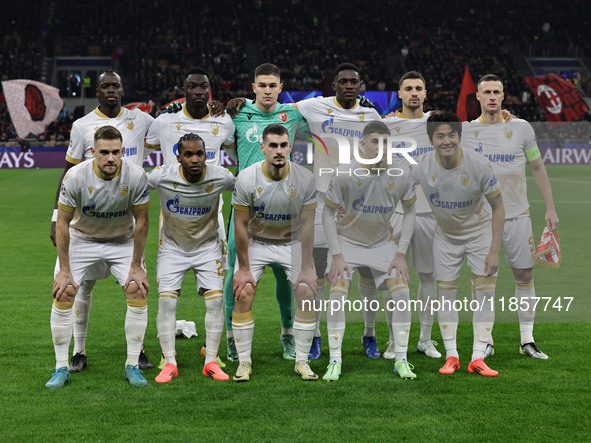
(152,43)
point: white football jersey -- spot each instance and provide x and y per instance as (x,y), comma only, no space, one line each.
(504,144)
(103,208)
(326,117)
(167,129)
(275,207)
(369,203)
(456,196)
(189,210)
(133,125)
(416,129)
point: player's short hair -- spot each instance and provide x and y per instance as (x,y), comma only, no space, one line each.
(188,137)
(443,118)
(275,129)
(196,70)
(345,67)
(375,127)
(107,71)
(413,75)
(107,133)
(488,78)
(267,69)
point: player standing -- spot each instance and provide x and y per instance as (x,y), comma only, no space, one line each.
(344,116)
(189,198)
(133,125)
(456,182)
(363,237)
(254,116)
(410,122)
(274,204)
(98,203)
(509,146)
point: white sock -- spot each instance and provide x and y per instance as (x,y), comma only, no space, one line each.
(214,323)
(166,324)
(61,332)
(525,293)
(243,327)
(400,318)
(318,303)
(448,317)
(136,321)
(335,321)
(368,291)
(303,327)
(426,294)
(286,331)
(82,305)
(483,319)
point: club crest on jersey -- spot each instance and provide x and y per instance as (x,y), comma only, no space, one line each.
(508,133)
(433,178)
(397,129)
(129,125)
(476,133)
(209,188)
(329,111)
(361,117)
(123,189)
(260,190)
(179,126)
(359,184)
(90,189)
(391,185)
(464,179)
(292,192)
(174,185)
(283,117)
(215,129)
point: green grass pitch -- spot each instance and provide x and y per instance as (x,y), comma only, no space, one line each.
(530,400)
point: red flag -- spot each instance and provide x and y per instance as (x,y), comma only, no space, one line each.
(142,106)
(548,251)
(559,98)
(32,105)
(468,107)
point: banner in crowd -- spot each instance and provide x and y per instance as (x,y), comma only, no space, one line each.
(31,105)
(468,107)
(558,97)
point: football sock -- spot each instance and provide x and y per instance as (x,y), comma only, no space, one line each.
(303,328)
(61,331)
(368,291)
(483,318)
(399,294)
(525,293)
(448,316)
(136,320)
(335,319)
(426,294)
(243,327)
(81,309)
(214,323)
(166,324)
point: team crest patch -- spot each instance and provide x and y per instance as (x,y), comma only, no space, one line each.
(209,188)
(508,133)
(464,179)
(123,189)
(397,129)
(362,117)
(476,133)
(329,111)
(129,125)
(260,189)
(90,189)
(292,191)
(359,183)
(391,185)
(179,126)
(174,185)
(433,178)
(215,129)
(283,117)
